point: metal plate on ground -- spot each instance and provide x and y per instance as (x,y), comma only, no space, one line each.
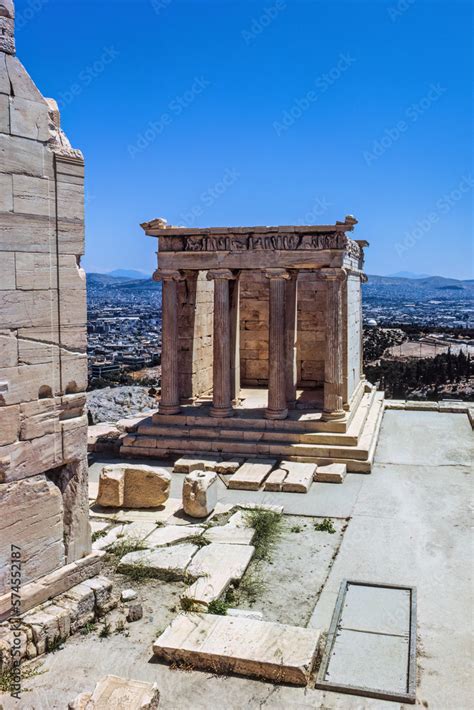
(371,645)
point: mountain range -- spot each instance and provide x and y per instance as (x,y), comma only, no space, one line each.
(125,279)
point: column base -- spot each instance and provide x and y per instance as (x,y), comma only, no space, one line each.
(330,416)
(169,409)
(276,413)
(218,412)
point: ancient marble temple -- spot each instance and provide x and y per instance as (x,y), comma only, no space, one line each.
(262,345)
(43,371)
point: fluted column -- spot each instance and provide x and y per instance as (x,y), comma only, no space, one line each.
(234,287)
(169,403)
(277,407)
(222,391)
(333,363)
(291,307)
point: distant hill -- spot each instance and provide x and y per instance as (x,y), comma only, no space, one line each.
(432,282)
(128,274)
(408,275)
(108,281)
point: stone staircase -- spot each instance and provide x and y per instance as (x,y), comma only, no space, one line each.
(302,439)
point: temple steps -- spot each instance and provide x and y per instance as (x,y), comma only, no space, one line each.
(355,448)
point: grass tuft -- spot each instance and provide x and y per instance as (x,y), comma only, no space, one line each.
(325,526)
(9,678)
(218,607)
(268,528)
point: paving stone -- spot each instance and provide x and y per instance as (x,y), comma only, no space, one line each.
(367,660)
(378,610)
(169,534)
(251,474)
(226,644)
(169,563)
(217,565)
(246,614)
(200,493)
(118,693)
(275,480)
(333,473)
(299,478)
(230,534)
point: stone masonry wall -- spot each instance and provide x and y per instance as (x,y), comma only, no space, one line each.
(254,307)
(353,335)
(195,327)
(43,368)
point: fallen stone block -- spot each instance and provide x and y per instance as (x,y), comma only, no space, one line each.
(185,464)
(299,478)
(200,493)
(80,602)
(251,474)
(134,612)
(227,467)
(246,614)
(128,595)
(136,486)
(146,486)
(275,480)
(333,473)
(224,644)
(115,692)
(103,592)
(216,566)
(168,563)
(111,488)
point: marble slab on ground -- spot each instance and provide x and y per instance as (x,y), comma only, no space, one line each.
(188,464)
(226,644)
(299,477)
(168,563)
(216,566)
(169,534)
(115,692)
(275,480)
(230,534)
(251,474)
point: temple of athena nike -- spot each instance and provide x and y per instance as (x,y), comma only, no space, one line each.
(262,345)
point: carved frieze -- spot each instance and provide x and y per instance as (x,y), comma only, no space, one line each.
(261,242)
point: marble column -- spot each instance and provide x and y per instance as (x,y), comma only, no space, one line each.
(291,308)
(222,390)
(333,363)
(235,339)
(169,403)
(277,407)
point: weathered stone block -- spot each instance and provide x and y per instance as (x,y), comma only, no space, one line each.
(8,350)
(200,493)
(29,458)
(146,487)
(29,119)
(7,272)
(111,487)
(9,424)
(115,692)
(32,515)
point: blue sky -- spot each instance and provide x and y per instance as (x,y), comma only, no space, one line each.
(243,113)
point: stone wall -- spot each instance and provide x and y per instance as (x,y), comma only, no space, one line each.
(353,336)
(254,305)
(195,328)
(43,366)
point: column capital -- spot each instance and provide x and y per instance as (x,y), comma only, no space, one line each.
(277,274)
(167,275)
(333,274)
(214,274)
